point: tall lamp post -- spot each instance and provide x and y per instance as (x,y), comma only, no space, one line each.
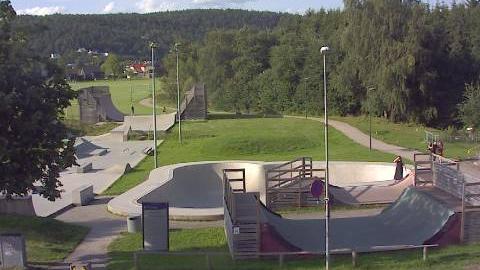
(371,88)
(306,97)
(324,50)
(179,118)
(153,46)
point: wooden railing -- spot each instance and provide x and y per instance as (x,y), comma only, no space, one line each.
(241,215)
(423,167)
(288,183)
(229,190)
(189,95)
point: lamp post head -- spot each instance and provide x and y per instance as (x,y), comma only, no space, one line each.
(153,45)
(176,46)
(324,50)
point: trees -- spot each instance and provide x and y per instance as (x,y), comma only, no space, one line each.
(398,59)
(469,109)
(112,67)
(33,94)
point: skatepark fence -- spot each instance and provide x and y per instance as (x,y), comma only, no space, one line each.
(281,257)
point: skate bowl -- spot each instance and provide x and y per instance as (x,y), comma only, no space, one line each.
(195,190)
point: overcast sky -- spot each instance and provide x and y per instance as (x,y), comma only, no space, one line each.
(44,7)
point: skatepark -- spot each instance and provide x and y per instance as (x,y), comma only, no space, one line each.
(195,190)
(419,210)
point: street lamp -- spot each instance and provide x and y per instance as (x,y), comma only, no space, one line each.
(153,46)
(306,98)
(324,50)
(371,88)
(179,118)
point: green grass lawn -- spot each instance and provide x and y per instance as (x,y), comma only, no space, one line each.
(123,92)
(264,139)
(213,239)
(82,129)
(48,240)
(410,136)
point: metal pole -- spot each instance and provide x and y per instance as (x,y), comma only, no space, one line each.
(179,118)
(306,116)
(327,197)
(370,116)
(155,156)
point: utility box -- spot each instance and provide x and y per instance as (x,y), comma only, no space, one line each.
(12,252)
(155,226)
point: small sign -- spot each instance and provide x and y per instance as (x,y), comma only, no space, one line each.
(12,251)
(236,230)
(316,189)
(155,226)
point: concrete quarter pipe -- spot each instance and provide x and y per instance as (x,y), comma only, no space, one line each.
(96,105)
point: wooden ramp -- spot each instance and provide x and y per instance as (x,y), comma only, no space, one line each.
(442,179)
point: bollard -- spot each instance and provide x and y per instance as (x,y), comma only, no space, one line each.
(209,263)
(134,223)
(280,260)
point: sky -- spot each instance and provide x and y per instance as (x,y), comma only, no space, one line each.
(45,7)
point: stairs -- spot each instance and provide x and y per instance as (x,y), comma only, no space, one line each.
(247,241)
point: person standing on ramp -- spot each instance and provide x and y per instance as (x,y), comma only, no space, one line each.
(398,168)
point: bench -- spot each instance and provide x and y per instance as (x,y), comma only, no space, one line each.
(82,195)
(86,167)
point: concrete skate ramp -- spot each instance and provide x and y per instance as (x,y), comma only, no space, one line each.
(200,185)
(111,112)
(195,189)
(352,173)
(95,104)
(85,148)
(371,194)
(413,219)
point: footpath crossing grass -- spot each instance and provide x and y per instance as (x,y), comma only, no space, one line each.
(213,240)
(408,135)
(263,139)
(48,240)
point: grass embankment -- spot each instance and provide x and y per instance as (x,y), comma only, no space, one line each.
(47,240)
(81,129)
(411,136)
(213,239)
(264,139)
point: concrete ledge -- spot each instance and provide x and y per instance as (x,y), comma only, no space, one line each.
(83,195)
(99,152)
(17,206)
(83,168)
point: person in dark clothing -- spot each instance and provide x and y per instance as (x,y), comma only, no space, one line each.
(398,168)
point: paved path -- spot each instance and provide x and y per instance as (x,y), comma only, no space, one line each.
(108,165)
(361,138)
(104,228)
